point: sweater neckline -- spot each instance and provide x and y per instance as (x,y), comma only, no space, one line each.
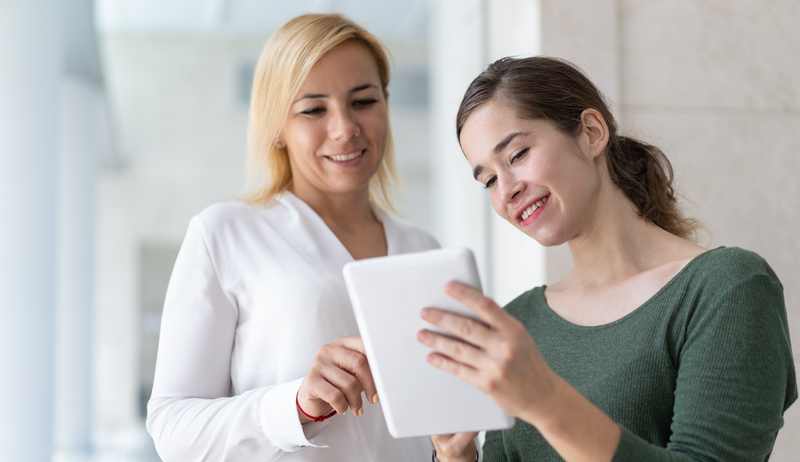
(666,287)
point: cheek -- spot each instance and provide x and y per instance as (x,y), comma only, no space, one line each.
(499,207)
(377,127)
(584,181)
(302,138)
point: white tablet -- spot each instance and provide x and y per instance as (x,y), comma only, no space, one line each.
(387,295)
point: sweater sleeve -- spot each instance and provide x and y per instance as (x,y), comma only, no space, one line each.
(191,415)
(735,379)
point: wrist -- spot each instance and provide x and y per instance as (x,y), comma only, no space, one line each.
(545,406)
(575,427)
(305,417)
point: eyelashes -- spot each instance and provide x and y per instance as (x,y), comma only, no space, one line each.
(364,102)
(358,104)
(518,156)
(514,159)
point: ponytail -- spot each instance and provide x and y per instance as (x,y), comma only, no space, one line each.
(645,175)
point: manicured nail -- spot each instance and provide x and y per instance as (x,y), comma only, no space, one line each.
(345,412)
(375,399)
(360,411)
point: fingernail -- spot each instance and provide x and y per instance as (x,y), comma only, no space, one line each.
(375,399)
(360,411)
(345,412)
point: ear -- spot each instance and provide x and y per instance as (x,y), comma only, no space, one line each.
(594,132)
(279,143)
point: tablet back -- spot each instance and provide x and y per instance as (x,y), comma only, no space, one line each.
(387,295)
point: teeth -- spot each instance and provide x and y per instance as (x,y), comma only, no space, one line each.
(529,211)
(346,157)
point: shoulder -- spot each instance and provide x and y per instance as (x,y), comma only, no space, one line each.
(527,304)
(408,238)
(233,217)
(733,287)
(735,258)
(230,228)
(224,213)
(735,311)
(727,266)
(420,237)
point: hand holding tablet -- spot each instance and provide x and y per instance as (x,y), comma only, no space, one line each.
(388,295)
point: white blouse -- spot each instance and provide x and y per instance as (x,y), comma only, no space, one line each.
(254,293)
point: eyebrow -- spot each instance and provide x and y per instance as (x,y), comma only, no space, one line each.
(322,95)
(498,149)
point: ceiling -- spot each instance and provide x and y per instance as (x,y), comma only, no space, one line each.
(404,20)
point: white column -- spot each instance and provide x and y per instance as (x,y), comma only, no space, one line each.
(518,261)
(465,37)
(515,28)
(588,33)
(81,135)
(461,207)
(29,79)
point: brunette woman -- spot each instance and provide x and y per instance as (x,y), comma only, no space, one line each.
(652,348)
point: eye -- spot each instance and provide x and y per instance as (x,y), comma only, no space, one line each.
(313,111)
(364,102)
(490,182)
(519,155)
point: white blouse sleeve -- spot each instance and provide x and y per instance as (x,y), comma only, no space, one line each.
(191,415)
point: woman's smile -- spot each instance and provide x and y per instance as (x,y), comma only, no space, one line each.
(346,160)
(532,211)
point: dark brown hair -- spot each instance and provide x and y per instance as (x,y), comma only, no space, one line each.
(557,91)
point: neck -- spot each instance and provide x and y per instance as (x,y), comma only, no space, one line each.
(345,211)
(617,244)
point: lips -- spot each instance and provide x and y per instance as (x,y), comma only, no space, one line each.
(346,157)
(528,211)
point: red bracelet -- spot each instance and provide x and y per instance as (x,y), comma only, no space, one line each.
(315,419)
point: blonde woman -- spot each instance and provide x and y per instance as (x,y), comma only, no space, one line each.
(258,358)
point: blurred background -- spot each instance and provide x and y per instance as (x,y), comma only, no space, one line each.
(122,119)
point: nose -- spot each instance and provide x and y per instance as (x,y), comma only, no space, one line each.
(509,187)
(343,126)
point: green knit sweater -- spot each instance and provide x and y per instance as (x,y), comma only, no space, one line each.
(702,371)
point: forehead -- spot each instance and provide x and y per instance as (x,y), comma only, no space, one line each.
(350,63)
(487,126)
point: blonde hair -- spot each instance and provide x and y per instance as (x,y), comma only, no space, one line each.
(283,66)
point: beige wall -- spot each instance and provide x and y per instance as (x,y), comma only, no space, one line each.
(716,84)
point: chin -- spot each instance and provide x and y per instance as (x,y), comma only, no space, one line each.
(349,187)
(546,239)
(350,181)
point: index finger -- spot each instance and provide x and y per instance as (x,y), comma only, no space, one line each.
(486,309)
(351,343)
(360,369)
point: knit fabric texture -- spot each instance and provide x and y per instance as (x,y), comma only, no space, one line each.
(702,371)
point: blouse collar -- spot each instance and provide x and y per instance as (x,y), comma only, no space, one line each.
(326,237)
